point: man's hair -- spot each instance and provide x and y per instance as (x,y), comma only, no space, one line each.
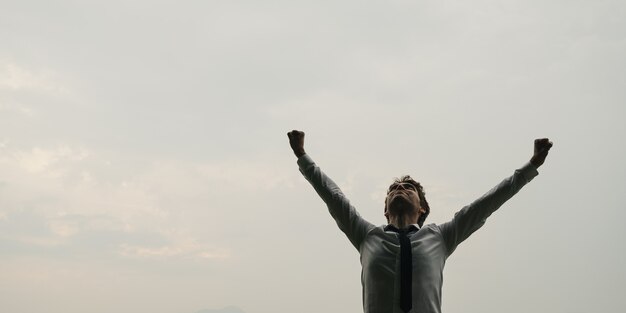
(420,192)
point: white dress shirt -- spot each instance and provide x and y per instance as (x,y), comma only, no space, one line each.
(431,244)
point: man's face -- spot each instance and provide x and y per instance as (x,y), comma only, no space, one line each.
(402,198)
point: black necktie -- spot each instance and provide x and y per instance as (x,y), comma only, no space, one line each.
(406,271)
(406,267)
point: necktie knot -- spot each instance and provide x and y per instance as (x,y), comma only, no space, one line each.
(403,231)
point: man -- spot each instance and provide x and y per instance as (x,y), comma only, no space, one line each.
(402,262)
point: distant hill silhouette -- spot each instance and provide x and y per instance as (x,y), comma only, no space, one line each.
(228,309)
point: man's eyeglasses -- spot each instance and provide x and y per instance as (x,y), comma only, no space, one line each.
(403,186)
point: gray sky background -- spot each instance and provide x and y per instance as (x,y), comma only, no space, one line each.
(145,167)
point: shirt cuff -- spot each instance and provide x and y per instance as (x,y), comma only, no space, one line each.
(529,171)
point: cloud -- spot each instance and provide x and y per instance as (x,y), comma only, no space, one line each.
(16,77)
(25,92)
(147,212)
(246,174)
(181,250)
(38,160)
(228,309)
(45,242)
(63,228)
(175,244)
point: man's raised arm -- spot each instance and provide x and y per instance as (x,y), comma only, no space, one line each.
(346,216)
(473,216)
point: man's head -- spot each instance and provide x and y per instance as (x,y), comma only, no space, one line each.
(406,196)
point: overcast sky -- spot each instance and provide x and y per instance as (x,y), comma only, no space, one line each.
(145,167)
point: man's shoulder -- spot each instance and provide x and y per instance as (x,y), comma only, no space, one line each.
(431,228)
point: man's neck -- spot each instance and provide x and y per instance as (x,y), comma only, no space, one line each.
(403,221)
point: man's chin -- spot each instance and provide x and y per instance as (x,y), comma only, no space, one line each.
(399,204)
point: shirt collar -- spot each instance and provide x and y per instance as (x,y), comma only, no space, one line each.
(410,228)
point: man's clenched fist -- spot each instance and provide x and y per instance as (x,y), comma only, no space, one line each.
(296,140)
(542,146)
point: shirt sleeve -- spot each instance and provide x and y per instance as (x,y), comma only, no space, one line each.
(346,216)
(471,217)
